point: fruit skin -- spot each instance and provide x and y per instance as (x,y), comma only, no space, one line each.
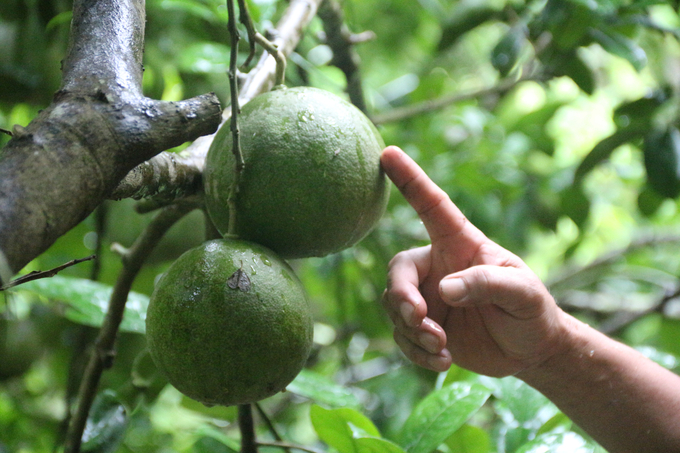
(312,183)
(224,346)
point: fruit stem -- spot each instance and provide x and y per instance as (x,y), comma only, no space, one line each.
(247,427)
(274,51)
(235,110)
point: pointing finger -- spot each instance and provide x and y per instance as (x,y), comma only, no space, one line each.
(434,207)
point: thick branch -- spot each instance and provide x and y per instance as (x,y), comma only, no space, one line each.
(58,169)
(260,79)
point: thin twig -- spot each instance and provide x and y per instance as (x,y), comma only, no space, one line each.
(280,58)
(615,324)
(432,105)
(247,21)
(5,131)
(36,275)
(263,415)
(103,353)
(247,427)
(566,279)
(239,163)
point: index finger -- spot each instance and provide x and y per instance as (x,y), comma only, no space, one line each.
(440,216)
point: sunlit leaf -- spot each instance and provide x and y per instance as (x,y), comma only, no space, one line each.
(440,414)
(376,445)
(620,45)
(469,439)
(339,428)
(320,389)
(558,443)
(87,301)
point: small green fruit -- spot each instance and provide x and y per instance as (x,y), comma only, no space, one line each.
(229,323)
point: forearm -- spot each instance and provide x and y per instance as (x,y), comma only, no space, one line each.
(623,400)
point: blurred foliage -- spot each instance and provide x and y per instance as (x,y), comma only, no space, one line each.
(565,149)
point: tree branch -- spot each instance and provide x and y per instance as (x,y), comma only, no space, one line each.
(103,353)
(409,111)
(570,278)
(260,79)
(58,169)
(341,41)
(36,275)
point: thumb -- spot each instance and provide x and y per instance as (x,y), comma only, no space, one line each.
(518,292)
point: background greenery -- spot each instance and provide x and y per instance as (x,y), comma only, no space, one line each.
(563,146)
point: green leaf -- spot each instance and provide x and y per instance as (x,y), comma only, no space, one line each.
(649,201)
(662,161)
(533,126)
(523,404)
(505,54)
(619,45)
(340,427)
(204,58)
(376,445)
(469,439)
(87,301)
(322,390)
(576,70)
(568,21)
(557,443)
(575,204)
(63,18)
(640,111)
(604,149)
(106,424)
(466,17)
(440,414)
(196,9)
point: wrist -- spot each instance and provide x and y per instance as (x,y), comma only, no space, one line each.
(570,341)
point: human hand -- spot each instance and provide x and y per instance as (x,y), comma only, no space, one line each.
(464,299)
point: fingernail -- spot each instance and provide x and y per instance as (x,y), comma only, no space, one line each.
(407,310)
(452,289)
(429,342)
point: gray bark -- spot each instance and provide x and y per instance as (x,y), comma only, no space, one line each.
(166,176)
(58,169)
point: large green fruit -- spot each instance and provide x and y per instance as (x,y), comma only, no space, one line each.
(312,182)
(229,323)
